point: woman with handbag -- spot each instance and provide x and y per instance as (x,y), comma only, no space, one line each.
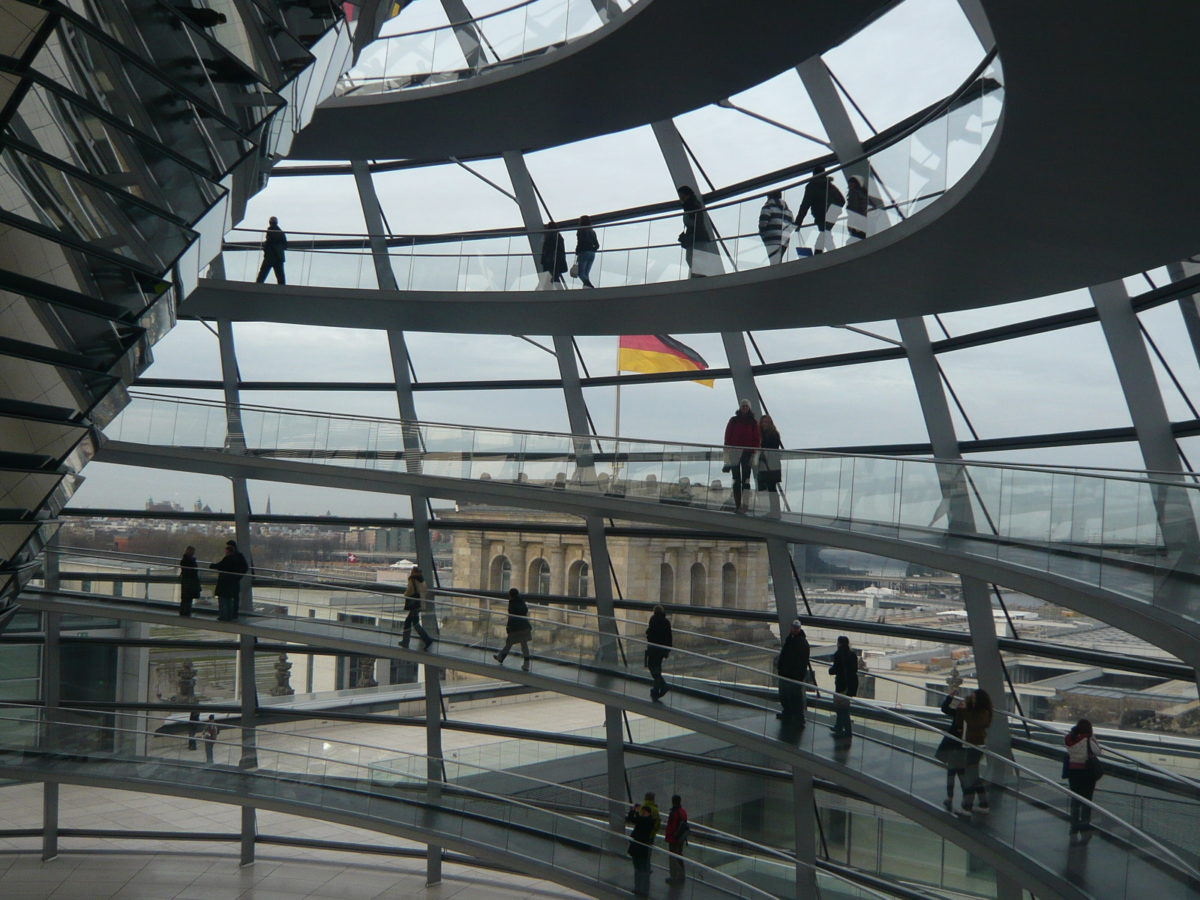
(770,467)
(1083,770)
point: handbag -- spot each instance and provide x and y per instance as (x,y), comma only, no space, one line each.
(575,269)
(951,753)
(1093,766)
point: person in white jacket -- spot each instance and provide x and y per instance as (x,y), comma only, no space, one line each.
(1083,771)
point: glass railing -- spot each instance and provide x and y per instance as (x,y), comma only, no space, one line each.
(1132,537)
(1154,797)
(910,171)
(461,50)
(276,588)
(352,783)
(721,690)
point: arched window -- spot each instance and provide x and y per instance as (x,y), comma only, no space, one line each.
(666,584)
(697,594)
(500,577)
(578,579)
(729,585)
(539,577)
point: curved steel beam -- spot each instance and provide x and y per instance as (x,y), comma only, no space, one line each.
(1027,221)
(693,53)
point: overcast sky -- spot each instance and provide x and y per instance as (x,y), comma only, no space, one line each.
(913,56)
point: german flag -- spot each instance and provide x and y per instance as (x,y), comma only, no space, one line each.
(658,353)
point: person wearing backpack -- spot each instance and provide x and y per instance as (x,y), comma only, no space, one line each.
(677,833)
(1083,770)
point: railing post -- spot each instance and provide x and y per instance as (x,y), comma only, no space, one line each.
(804,809)
(248,695)
(51,694)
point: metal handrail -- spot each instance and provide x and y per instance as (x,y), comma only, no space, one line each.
(931,113)
(503,799)
(698,447)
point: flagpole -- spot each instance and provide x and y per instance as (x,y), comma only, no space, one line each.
(617,419)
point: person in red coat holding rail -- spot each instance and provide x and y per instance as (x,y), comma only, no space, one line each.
(742,442)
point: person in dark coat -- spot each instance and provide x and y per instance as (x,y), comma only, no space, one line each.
(518,629)
(273,246)
(822,197)
(857,206)
(845,682)
(189,581)
(586,245)
(414,599)
(1083,771)
(769,471)
(229,583)
(658,648)
(554,256)
(792,663)
(644,817)
(971,719)
(742,442)
(699,248)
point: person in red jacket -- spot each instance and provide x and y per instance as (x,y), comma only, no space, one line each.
(677,835)
(742,441)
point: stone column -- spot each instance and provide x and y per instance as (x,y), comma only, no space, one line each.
(558,575)
(518,557)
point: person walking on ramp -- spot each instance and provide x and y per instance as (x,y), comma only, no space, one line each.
(273,247)
(518,629)
(414,599)
(658,647)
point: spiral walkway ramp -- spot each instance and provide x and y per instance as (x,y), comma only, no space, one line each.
(133,143)
(890,762)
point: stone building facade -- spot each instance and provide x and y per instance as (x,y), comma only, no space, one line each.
(681,570)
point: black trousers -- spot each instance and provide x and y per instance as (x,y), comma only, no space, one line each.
(654,662)
(741,475)
(411,621)
(267,266)
(186,597)
(1082,783)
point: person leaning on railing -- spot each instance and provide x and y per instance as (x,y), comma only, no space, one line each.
(1082,770)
